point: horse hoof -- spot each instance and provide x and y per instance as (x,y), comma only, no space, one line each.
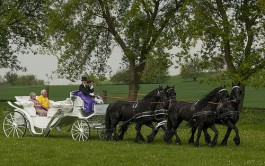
(212,144)
(191,142)
(224,144)
(178,142)
(237,142)
(149,139)
(196,145)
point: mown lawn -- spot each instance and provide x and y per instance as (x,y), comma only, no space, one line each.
(61,149)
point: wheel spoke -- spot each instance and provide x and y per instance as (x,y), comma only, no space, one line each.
(14,124)
(80,130)
(10,132)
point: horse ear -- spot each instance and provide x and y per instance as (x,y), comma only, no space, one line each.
(233,84)
(238,84)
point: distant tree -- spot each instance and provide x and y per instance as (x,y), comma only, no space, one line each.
(121,77)
(14,79)
(191,69)
(11,78)
(29,80)
(22,24)
(98,79)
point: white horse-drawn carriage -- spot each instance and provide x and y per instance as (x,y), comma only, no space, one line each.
(61,113)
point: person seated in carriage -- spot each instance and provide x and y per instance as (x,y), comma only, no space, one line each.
(86,93)
(37,105)
(44,100)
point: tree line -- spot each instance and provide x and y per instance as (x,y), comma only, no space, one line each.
(11,78)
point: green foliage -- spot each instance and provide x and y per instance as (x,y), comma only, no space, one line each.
(192,69)
(97,79)
(21,26)
(231,32)
(121,77)
(11,78)
(15,79)
(142,29)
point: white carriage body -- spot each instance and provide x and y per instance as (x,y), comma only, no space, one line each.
(68,107)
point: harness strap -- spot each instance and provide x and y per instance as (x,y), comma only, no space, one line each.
(227,114)
(204,113)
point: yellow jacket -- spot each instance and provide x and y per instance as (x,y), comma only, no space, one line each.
(44,101)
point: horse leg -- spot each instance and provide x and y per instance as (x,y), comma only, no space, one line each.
(122,131)
(236,138)
(151,137)
(213,143)
(110,132)
(207,136)
(224,142)
(193,130)
(115,134)
(197,142)
(178,141)
(229,129)
(139,135)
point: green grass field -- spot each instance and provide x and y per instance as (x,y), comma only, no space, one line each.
(60,149)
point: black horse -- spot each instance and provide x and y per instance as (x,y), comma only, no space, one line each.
(158,116)
(201,115)
(161,114)
(129,112)
(229,115)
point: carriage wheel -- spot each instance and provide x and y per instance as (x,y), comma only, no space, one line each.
(80,130)
(14,124)
(101,132)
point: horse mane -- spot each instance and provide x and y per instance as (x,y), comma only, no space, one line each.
(151,94)
(207,98)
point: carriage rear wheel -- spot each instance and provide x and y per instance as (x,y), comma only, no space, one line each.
(80,130)
(14,124)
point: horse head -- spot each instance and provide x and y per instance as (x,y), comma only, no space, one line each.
(170,92)
(217,95)
(236,93)
(170,96)
(223,95)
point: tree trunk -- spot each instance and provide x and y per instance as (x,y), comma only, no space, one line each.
(134,82)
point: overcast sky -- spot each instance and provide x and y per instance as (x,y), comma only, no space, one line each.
(41,65)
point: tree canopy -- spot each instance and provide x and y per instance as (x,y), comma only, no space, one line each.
(229,30)
(90,28)
(21,26)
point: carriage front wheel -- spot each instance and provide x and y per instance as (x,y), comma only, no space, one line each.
(80,130)
(14,124)
(101,132)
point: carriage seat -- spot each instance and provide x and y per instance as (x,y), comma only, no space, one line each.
(27,105)
(77,102)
